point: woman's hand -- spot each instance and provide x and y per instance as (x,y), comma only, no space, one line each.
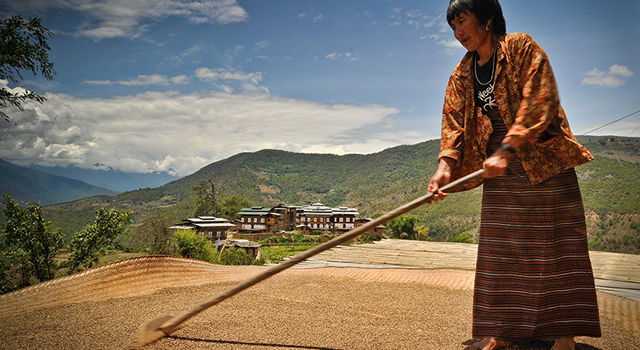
(441,177)
(496,164)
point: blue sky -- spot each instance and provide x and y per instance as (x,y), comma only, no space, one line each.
(165,85)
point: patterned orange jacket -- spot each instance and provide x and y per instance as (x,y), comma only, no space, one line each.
(527,98)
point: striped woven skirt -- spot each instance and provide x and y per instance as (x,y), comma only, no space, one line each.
(533,274)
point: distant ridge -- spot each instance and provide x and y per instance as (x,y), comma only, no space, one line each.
(25,184)
(118,181)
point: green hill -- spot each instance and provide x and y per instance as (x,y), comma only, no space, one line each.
(382,181)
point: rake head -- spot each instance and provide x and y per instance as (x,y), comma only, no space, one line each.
(150,332)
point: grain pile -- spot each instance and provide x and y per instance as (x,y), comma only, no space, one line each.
(323,308)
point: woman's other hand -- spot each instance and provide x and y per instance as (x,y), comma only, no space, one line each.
(441,177)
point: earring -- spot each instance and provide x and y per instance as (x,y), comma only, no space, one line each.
(486,28)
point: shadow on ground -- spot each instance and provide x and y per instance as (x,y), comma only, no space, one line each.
(268,345)
(534,344)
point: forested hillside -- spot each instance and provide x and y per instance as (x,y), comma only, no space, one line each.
(379,182)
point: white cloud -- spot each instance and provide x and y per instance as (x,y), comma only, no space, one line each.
(318,18)
(190,53)
(348,56)
(614,77)
(153,79)
(450,44)
(261,45)
(179,80)
(211,75)
(128,19)
(180,133)
(620,70)
(414,13)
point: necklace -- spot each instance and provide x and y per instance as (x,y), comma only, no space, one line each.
(493,67)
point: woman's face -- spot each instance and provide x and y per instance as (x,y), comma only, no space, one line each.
(469,32)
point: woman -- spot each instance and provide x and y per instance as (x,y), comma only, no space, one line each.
(502,113)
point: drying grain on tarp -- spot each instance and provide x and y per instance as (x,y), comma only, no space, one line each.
(320,308)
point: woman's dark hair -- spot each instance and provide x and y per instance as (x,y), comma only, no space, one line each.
(484,10)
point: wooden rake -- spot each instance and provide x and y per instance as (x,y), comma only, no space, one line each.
(163,326)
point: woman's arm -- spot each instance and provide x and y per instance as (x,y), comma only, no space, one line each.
(539,102)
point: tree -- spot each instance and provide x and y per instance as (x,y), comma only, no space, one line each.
(207,204)
(422,232)
(23,48)
(154,232)
(107,226)
(403,226)
(28,243)
(231,206)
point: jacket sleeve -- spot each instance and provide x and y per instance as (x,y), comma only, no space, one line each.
(539,94)
(452,136)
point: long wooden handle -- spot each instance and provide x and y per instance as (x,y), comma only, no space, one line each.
(173,323)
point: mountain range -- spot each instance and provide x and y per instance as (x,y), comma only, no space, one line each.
(31,185)
(379,182)
(117,181)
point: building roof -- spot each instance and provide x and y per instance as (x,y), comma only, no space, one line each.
(257,211)
(319,209)
(202,222)
(181,227)
(206,219)
(215,224)
(242,243)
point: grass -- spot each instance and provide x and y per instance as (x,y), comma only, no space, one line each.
(275,254)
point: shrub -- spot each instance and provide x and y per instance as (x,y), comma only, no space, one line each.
(464,237)
(235,256)
(189,244)
(298,237)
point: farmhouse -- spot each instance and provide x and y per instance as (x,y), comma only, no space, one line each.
(259,219)
(211,227)
(326,219)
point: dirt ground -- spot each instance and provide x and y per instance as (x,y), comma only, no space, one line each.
(317,308)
